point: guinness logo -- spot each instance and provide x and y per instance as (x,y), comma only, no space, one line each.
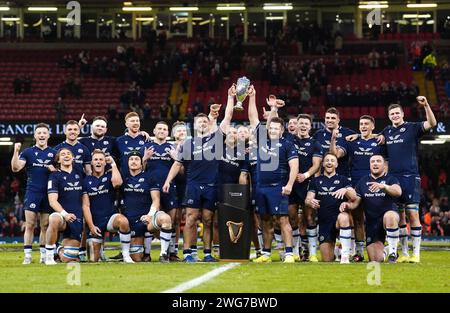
(235,230)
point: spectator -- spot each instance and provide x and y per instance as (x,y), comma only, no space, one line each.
(164,110)
(197,106)
(146,110)
(330,98)
(112,112)
(17,84)
(374,59)
(60,109)
(305,97)
(429,63)
(77,91)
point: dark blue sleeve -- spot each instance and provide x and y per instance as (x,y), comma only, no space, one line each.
(419,129)
(345,182)
(53,182)
(84,184)
(392,181)
(312,185)
(344,145)
(317,150)
(87,157)
(24,155)
(291,152)
(358,190)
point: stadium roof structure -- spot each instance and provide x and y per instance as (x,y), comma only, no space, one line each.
(248,3)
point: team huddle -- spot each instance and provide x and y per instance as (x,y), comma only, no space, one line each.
(307,191)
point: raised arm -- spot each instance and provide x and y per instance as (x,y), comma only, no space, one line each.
(16,163)
(225,124)
(252,110)
(116,178)
(333,147)
(431,119)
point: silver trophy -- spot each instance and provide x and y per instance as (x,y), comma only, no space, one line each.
(241,92)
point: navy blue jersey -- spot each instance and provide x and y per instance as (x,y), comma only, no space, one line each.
(198,156)
(324,138)
(106,144)
(323,187)
(230,166)
(101,195)
(402,143)
(124,145)
(160,163)
(375,204)
(36,165)
(273,160)
(307,148)
(360,151)
(136,193)
(289,137)
(69,187)
(80,153)
(249,164)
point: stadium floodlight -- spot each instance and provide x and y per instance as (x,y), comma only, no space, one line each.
(430,22)
(274,18)
(373,6)
(145,19)
(128,3)
(204,22)
(43,9)
(432,142)
(224,18)
(137,9)
(6,143)
(5,139)
(183,9)
(421,5)
(4,8)
(444,137)
(230,7)
(277,7)
(10,19)
(416,15)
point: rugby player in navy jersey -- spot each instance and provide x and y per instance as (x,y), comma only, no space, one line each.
(98,138)
(324,137)
(310,156)
(37,160)
(133,139)
(325,194)
(402,142)
(359,151)
(141,201)
(377,192)
(277,169)
(179,134)
(200,155)
(158,160)
(82,156)
(65,189)
(98,205)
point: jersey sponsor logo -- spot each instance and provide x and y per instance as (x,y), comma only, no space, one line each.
(75,184)
(98,190)
(327,142)
(134,188)
(394,139)
(328,189)
(364,149)
(41,163)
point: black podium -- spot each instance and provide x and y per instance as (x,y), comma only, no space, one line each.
(235,222)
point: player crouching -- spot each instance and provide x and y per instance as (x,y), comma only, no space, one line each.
(378,192)
(98,206)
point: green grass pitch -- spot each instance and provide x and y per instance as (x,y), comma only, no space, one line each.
(431,275)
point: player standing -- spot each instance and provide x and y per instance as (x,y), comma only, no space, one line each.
(402,142)
(36,160)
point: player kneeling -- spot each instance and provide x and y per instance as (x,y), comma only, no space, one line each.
(98,206)
(326,193)
(378,192)
(64,195)
(137,187)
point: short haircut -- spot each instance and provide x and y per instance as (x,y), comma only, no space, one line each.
(384,159)
(98,151)
(394,106)
(202,115)
(329,153)
(131,114)
(42,125)
(278,120)
(178,123)
(72,122)
(333,110)
(305,116)
(291,117)
(367,117)
(100,118)
(163,123)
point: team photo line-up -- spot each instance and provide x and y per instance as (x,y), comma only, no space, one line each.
(307,190)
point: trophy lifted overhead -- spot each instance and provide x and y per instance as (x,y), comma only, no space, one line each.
(241,92)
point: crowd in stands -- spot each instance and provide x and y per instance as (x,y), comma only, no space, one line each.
(22,84)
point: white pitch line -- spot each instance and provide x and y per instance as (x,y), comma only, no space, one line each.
(200,280)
